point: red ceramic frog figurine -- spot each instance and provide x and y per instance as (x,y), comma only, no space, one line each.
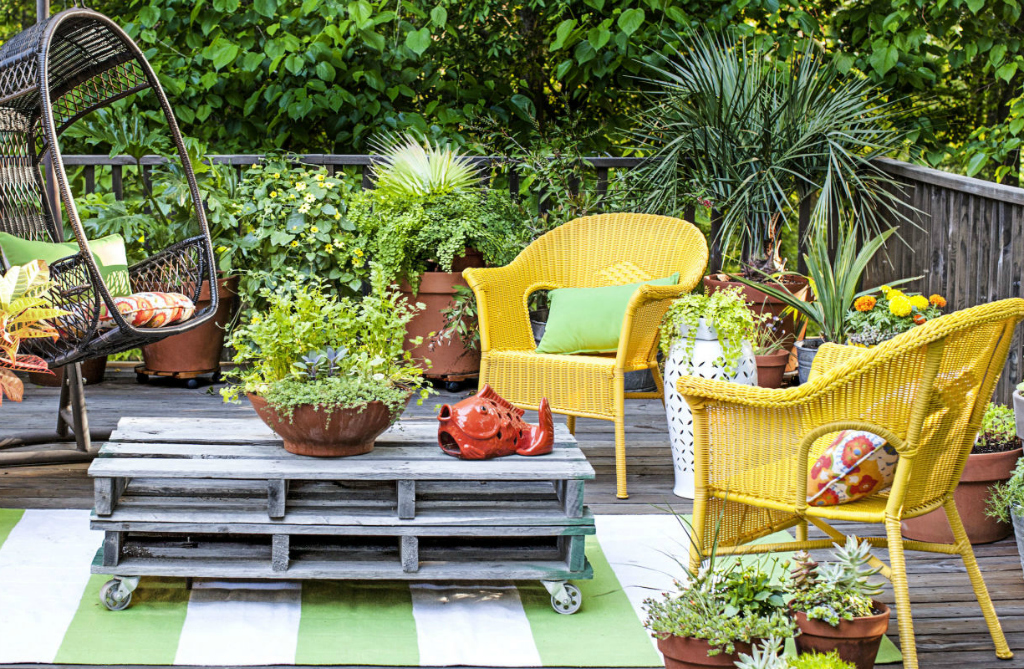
(488,426)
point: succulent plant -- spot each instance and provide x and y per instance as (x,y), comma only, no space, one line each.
(767,655)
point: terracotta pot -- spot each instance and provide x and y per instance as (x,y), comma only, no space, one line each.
(771,368)
(762,303)
(971,496)
(449,358)
(686,653)
(199,349)
(93,370)
(855,640)
(338,433)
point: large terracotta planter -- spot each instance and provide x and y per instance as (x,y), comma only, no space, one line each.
(762,303)
(981,472)
(855,640)
(685,653)
(93,370)
(199,349)
(771,368)
(337,433)
(450,359)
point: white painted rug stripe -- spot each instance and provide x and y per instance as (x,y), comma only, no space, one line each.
(643,552)
(240,623)
(44,569)
(472,625)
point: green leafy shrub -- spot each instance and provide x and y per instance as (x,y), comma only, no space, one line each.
(1007,497)
(281,352)
(725,310)
(998,431)
(837,591)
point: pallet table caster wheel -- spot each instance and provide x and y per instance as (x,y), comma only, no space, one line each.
(141,378)
(192,384)
(453,386)
(116,594)
(565,597)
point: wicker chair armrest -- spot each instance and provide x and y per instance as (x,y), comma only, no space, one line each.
(501,300)
(638,341)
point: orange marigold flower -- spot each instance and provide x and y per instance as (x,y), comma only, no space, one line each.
(938,301)
(866,303)
(919,319)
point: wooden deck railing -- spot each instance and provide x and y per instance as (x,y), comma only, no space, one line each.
(966,239)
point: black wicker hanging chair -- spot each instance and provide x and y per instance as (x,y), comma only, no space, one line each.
(51,75)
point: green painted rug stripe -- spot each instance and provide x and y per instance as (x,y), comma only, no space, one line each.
(146,633)
(614,634)
(361,623)
(8,519)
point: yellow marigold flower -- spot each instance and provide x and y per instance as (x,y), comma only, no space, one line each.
(919,302)
(865,303)
(900,306)
(300,185)
(314,229)
(885,290)
(938,301)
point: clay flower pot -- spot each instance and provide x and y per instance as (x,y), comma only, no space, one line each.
(683,652)
(328,434)
(762,303)
(771,368)
(971,496)
(855,640)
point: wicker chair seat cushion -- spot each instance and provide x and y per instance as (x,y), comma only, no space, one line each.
(109,253)
(149,310)
(589,320)
(857,464)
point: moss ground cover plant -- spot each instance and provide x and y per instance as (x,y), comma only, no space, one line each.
(309,347)
(724,310)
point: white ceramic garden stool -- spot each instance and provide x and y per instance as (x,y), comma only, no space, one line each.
(702,362)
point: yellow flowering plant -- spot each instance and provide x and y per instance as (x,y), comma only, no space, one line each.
(295,217)
(875,319)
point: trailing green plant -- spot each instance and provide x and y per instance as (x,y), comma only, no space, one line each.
(294,227)
(833,280)
(313,347)
(763,131)
(836,591)
(725,311)
(1007,497)
(998,431)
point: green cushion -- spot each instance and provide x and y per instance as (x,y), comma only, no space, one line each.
(589,320)
(109,253)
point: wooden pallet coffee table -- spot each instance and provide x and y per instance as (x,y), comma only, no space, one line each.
(222,499)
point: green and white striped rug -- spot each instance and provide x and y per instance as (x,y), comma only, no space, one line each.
(50,610)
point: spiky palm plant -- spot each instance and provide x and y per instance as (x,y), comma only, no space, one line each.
(407,167)
(758,134)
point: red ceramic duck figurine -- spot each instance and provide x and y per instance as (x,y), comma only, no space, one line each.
(488,426)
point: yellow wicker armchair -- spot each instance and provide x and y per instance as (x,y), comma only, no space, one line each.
(925,391)
(605,250)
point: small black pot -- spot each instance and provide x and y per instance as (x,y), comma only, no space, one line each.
(806,349)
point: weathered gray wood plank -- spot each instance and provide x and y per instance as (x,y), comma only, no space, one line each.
(410,549)
(280,552)
(406,491)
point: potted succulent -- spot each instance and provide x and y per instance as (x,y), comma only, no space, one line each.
(768,655)
(798,129)
(25,313)
(834,607)
(328,374)
(707,336)
(716,614)
(1006,504)
(428,218)
(991,461)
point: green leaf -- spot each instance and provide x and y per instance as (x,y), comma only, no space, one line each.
(439,16)
(265,8)
(844,61)
(598,37)
(631,20)
(975,164)
(325,71)
(975,5)
(360,12)
(148,16)
(562,69)
(280,238)
(293,63)
(996,54)
(225,54)
(562,33)
(1006,72)
(252,60)
(884,58)
(418,41)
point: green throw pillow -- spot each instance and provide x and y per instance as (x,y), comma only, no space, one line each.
(589,320)
(109,253)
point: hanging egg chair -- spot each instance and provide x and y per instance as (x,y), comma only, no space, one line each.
(51,75)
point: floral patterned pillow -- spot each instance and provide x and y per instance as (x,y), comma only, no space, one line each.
(855,465)
(150,310)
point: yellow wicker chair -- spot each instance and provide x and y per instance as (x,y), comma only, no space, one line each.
(925,391)
(605,250)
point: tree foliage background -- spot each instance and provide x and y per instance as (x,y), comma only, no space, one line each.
(325,75)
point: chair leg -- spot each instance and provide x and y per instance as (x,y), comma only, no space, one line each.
(963,545)
(72,415)
(620,457)
(901,590)
(659,382)
(570,422)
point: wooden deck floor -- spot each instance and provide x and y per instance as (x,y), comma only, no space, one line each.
(950,629)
